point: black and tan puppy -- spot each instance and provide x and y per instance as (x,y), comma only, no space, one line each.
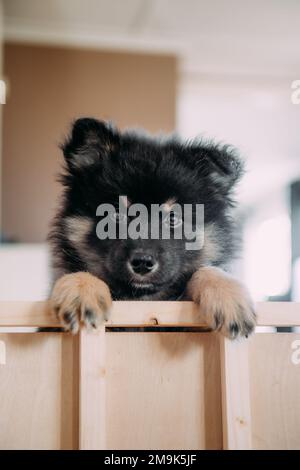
(103,164)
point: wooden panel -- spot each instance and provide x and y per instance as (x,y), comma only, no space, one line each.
(235,394)
(123,313)
(38,392)
(275,392)
(163,391)
(154,390)
(35,314)
(145,313)
(92,386)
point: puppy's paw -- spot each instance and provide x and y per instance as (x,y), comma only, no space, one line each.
(80,298)
(225,304)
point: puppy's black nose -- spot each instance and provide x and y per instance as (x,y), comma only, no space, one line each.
(142,263)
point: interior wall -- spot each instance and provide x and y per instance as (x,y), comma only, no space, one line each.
(48,88)
(1,105)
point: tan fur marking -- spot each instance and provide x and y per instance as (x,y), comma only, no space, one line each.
(224,303)
(80,298)
(77,228)
(169,204)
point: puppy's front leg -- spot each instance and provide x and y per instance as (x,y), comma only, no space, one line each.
(80,298)
(224,303)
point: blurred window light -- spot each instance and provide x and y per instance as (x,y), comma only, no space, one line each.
(268,257)
(296,281)
(2,92)
(17,281)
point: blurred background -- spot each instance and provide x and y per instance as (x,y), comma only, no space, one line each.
(219,68)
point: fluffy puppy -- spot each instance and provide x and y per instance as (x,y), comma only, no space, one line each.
(103,164)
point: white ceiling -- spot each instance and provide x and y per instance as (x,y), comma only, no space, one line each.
(219,36)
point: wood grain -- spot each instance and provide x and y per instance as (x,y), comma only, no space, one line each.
(163,391)
(92,390)
(150,390)
(38,403)
(236,404)
(145,313)
(275,392)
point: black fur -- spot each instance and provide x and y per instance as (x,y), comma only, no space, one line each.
(103,163)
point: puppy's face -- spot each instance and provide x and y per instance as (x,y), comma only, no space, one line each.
(105,166)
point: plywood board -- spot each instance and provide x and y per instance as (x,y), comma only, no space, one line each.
(38,407)
(275,391)
(163,391)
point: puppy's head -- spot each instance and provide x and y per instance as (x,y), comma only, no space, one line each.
(105,166)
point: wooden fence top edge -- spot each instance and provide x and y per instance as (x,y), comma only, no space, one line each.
(162,313)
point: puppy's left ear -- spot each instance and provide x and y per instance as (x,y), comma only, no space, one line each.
(222,165)
(89,142)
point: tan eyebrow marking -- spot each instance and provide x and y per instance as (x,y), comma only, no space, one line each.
(77,228)
(169,204)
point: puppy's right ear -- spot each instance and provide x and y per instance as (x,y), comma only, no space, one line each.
(89,142)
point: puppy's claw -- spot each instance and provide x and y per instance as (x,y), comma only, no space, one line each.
(80,298)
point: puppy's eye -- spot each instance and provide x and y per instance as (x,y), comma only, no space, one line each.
(118,218)
(173,220)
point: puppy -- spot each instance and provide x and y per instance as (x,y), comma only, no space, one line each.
(105,166)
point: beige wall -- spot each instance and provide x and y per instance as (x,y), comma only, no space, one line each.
(49,87)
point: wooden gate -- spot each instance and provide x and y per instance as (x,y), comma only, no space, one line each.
(151,378)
